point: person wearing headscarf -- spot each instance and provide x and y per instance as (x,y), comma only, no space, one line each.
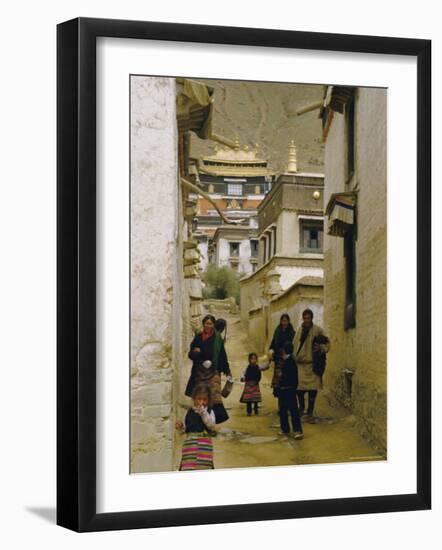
(210,361)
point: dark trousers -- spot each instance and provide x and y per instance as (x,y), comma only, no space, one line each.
(311,401)
(249,407)
(288,405)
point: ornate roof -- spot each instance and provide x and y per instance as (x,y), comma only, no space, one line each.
(238,162)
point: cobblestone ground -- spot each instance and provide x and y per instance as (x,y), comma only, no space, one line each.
(252,441)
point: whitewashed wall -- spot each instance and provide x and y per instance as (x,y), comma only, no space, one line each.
(155,257)
(203,248)
(223,255)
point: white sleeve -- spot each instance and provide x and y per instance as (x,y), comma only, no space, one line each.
(209,419)
(264,367)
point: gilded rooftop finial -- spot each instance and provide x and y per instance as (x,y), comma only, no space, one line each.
(291,166)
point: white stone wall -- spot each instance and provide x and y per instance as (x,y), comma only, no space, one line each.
(156,260)
(291,274)
(245,253)
(203,248)
(287,234)
(223,255)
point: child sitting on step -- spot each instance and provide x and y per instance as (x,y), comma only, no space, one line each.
(199,422)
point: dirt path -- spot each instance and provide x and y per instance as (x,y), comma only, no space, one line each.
(251,441)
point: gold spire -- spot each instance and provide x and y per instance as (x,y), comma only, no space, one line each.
(291,166)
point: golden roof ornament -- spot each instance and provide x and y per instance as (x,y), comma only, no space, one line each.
(291,166)
(234,161)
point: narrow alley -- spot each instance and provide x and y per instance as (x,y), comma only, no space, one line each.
(254,441)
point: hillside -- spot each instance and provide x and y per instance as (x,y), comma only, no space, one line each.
(265,114)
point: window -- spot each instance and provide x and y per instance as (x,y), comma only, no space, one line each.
(234,250)
(311,236)
(350,279)
(274,240)
(234,189)
(254,248)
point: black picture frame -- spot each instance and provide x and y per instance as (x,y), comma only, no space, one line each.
(77,287)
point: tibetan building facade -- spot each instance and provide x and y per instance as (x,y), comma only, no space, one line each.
(236,180)
(290,237)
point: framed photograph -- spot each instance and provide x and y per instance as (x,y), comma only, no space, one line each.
(243,274)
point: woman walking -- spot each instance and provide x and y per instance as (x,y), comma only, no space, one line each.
(209,361)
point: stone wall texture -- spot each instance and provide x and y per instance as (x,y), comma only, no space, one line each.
(155,262)
(361,350)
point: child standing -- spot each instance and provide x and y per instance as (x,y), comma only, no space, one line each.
(251,394)
(199,422)
(287,393)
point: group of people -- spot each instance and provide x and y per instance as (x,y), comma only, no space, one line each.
(299,359)
(299,363)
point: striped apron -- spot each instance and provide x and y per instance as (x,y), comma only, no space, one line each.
(251,393)
(197,453)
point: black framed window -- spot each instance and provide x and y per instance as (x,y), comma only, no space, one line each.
(254,248)
(234,250)
(311,236)
(78,468)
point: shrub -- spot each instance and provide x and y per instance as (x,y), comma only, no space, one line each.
(221,283)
